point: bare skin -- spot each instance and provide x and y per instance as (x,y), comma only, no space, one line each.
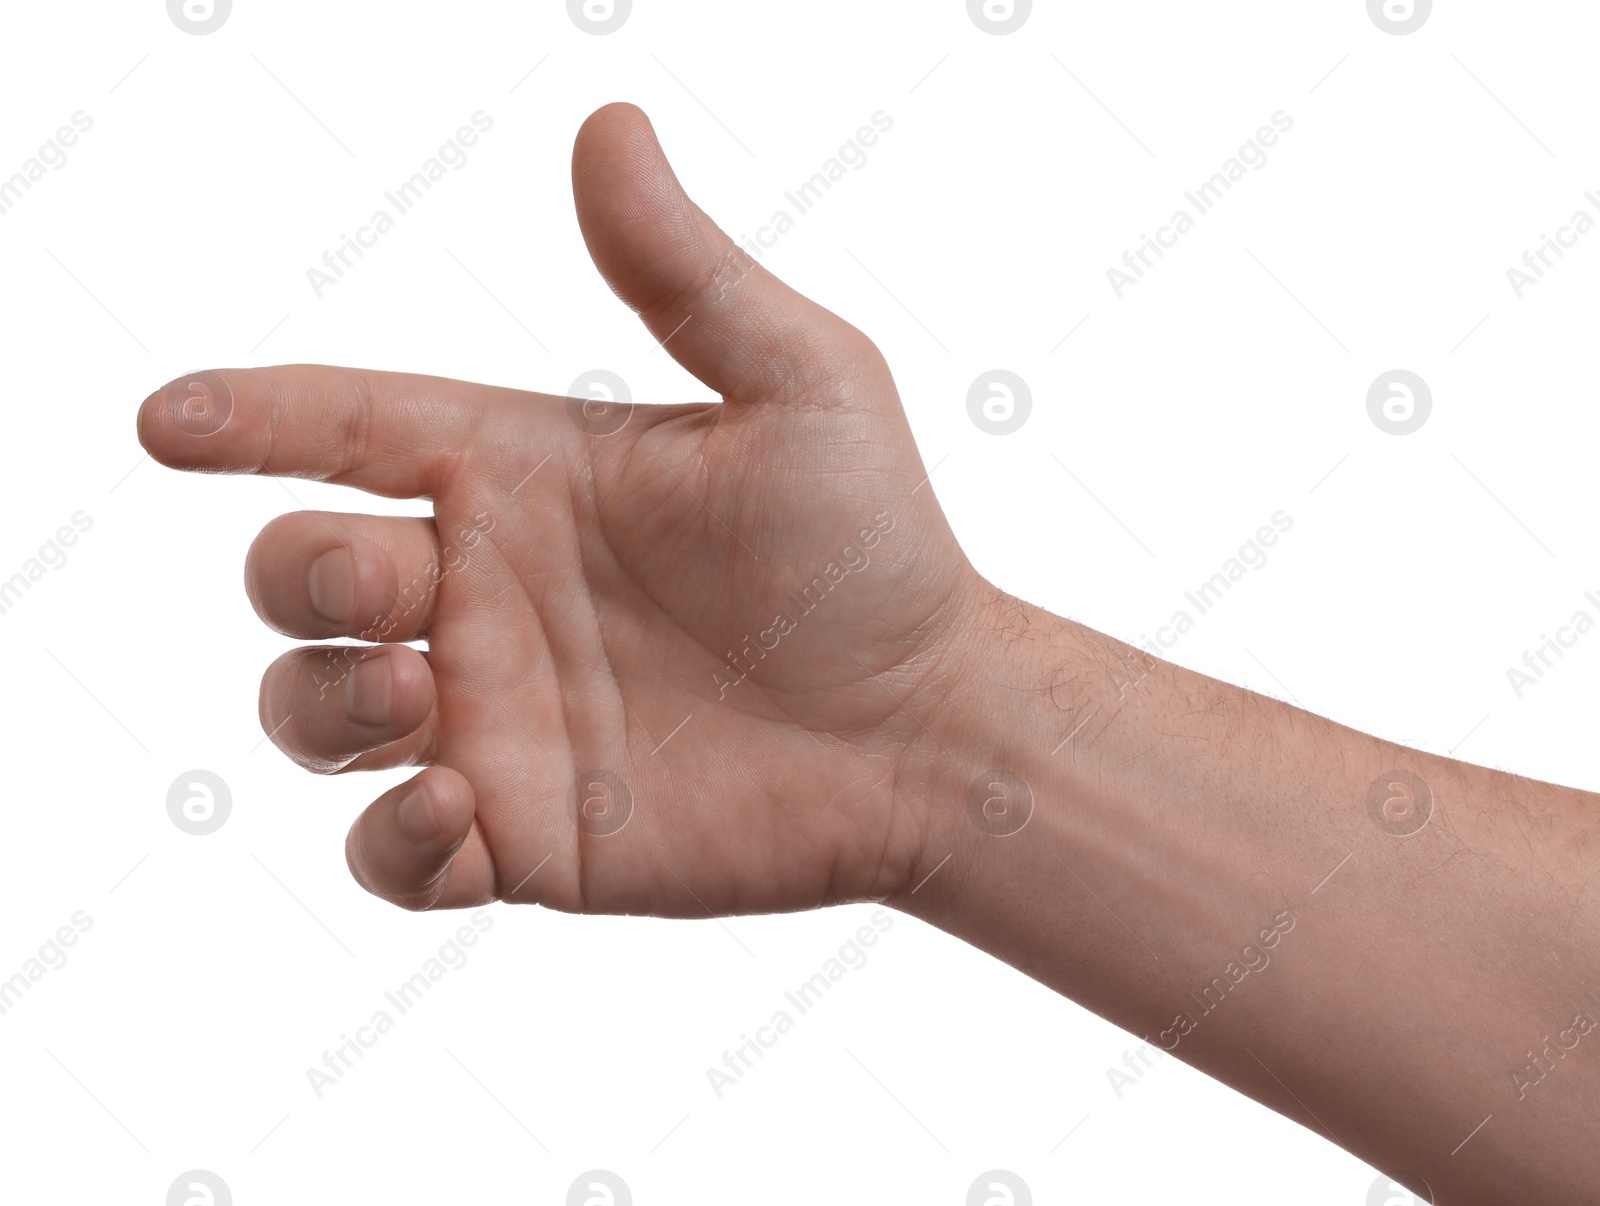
(729,658)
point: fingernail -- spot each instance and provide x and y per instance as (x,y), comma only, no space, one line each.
(333,586)
(415,817)
(369,691)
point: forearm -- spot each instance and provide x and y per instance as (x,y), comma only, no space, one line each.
(1214,871)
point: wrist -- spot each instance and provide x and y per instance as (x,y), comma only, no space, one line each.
(1004,746)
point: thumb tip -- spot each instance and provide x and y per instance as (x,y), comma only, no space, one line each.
(630,204)
(613,112)
(617,131)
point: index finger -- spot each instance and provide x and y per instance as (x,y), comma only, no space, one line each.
(395,434)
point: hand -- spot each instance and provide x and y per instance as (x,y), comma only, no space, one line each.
(713,626)
(627,611)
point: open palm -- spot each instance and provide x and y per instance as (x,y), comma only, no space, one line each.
(678,659)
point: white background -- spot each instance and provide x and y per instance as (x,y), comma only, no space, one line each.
(1229,384)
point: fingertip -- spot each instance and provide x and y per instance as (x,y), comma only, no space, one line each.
(337,707)
(752,336)
(401,847)
(391,688)
(417,817)
(320,574)
(620,172)
(613,121)
(436,811)
(147,424)
(186,410)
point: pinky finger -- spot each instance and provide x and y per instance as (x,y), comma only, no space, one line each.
(418,846)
